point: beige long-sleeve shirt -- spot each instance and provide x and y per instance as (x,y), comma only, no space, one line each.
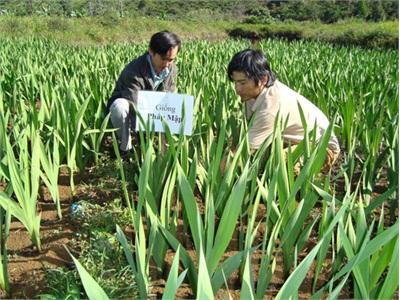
(281,99)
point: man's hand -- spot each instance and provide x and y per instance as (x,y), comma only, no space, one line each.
(225,159)
(223,164)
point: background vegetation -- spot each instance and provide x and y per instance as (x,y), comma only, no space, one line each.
(251,11)
(52,99)
(358,22)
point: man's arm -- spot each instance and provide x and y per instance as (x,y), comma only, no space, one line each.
(222,165)
(261,129)
(131,88)
(224,159)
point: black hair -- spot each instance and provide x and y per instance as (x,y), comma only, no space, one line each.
(254,64)
(161,42)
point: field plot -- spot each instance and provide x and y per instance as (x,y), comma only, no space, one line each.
(173,224)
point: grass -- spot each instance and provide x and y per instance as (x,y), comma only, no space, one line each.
(111,29)
(315,29)
(350,32)
(99,252)
(97,31)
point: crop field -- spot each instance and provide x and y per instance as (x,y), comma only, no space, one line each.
(172,224)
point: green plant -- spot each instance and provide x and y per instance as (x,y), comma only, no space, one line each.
(92,288)
(179,200)
(63,284)
(5,220)
(24,183)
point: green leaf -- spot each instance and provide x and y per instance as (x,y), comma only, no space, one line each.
(359,278)
(196,225)
(380,199)
(247,290)
(184,256)
(173,282)
(366,250)
(226,268)
(128,253)
(296,278)
(204,287)
(228,221)
(391,282)
(92,288)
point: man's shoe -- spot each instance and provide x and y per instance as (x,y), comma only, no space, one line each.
(126,155)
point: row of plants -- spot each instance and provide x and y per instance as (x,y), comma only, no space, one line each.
(99,253)
(52,100)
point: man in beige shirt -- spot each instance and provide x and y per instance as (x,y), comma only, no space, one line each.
(267,98)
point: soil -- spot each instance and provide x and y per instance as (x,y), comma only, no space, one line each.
(234,283)
(27,265)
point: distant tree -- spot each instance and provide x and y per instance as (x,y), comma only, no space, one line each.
(331,12)
(29,6)
(291,10)
(101,7)
(282,12)
(299,11)
(345,8)
(91,9)
(151,7)
(66,7)
(391,8)
(313,10)
(361,9)
(259,15)
(121,8)
(141,5)
(79,8)
(18,8)
(326,10)
(377,13)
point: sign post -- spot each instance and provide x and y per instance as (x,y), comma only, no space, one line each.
(158,106)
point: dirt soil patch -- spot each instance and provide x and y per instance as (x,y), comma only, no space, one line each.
(26,264)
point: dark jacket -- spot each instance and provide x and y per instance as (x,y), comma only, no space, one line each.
(135,77)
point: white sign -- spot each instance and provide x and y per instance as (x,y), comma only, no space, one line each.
(156,106)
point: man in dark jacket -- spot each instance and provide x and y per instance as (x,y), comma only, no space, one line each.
(153,71)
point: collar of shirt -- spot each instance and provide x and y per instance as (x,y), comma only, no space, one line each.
(158,79)
(260,98)
(254,103)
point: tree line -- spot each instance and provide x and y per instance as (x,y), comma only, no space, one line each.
(250,11)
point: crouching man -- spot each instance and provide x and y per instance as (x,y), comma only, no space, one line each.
(267,98)
(155,70)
